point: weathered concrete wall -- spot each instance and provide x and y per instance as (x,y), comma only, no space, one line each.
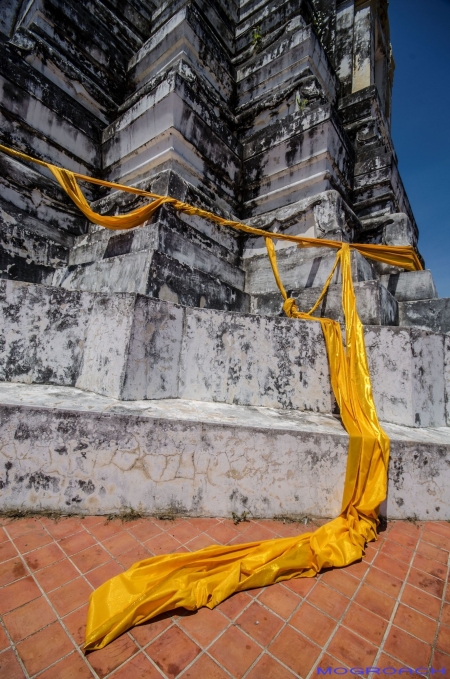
(61,448)
(135,347)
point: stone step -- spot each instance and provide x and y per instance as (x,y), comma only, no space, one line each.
(301,268)
(133,347)
(375,304)
(61,447)
(429,314)
(184,34)
(151,272)
(171,236)
(410,285)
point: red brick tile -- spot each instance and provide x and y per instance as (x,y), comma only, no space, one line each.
(145,530)
(17,594)
(281,600)
(327,661)
(436,539)
(408,540)
(71,667)
(203,625)
(162,544)
(445,619)
(415,623)
(183,532)
(172,651)
(432,552)
(396,551)
(90,558)
(44,648)
(383,581)
(341,580)
(404,527)
(234,604)
(12,570)
(385,661)
(443,641)
(63,527)
(28,619)
(235,651)
(427,583)
(375,601)
(441,661)
(138,667)
(436,568)
(421,601)
(4,641)
(3,536)
(100,575)
(7,551)
(9,666)
(301,586)
(105,529)
(259,623)
(114,654)
(30,541)
(76,624)
(256,533)
(408,649)
(313,623)
(127,559)
(357,569)
(351,649)
(120,543)
(76,543)
(205,668)
(290,530)
(165,524)
(295,651)
(145,633)
(328,600)
(222,533)
(71,596)
(54,576)
(396,568)
(200,542)
(440,527)
(203,524)
(44,557)
(365,623)
(268,668)
(87,521)
(22,526)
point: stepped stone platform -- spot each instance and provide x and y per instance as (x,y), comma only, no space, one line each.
(153,368)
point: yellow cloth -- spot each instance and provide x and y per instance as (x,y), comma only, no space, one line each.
(402,256)
(210,575)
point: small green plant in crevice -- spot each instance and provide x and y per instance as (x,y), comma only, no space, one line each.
(300,102)
(125,515)
(257,39)
(319,23)
(238,518)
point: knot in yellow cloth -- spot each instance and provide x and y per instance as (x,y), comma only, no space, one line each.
(290,307)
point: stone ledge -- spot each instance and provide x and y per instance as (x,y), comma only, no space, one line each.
(62,447)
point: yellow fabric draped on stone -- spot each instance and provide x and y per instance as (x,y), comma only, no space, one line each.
(210,575)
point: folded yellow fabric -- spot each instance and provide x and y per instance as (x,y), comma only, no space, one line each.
(210,575)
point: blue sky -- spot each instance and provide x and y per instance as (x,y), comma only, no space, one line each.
(420,36)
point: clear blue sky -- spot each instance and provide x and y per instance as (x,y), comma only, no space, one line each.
(420,36)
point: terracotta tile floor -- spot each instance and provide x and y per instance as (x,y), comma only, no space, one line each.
(392,610)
